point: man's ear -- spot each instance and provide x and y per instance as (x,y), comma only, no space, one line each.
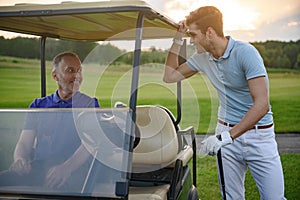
(210,33)
(54,75)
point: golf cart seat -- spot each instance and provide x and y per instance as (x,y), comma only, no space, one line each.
(159,158)
(158,141)
(161,141)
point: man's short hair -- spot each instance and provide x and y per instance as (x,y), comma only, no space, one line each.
(207,16)
(57,59)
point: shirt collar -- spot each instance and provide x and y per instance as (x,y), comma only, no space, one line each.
(227,52)
(57,99)
(229,47)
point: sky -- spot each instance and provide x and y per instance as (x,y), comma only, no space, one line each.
(246,20)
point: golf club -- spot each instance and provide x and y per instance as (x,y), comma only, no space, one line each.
(221,172)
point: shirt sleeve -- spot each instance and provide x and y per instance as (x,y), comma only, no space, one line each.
(252,62)
(198,61)
(30,121)
(34,104)
(97,104)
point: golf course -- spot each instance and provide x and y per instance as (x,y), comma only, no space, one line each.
(20,84)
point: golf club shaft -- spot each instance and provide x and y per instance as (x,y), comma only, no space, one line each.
(221,172)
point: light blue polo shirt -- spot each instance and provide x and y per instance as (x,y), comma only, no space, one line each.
(229,75)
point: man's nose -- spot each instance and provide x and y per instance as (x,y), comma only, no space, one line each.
(78,74)
(191,40)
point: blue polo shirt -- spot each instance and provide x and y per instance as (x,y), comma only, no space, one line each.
(79,100)
(57,137)
(229,75)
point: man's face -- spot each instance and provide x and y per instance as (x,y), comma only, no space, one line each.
(198,38)
(69,74)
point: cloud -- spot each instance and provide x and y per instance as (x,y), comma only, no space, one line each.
(293,23)
(236,16)
(249,20)
(272,11)
(285,29)
(281,22)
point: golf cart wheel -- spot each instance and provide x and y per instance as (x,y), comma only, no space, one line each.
(193,194)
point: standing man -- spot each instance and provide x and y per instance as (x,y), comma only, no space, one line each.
(245,121)
(58,151)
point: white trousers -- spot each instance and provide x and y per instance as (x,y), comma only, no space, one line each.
(256,149)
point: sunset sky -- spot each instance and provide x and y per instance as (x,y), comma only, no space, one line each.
(247,20)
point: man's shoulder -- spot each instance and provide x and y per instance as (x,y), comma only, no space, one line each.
(243,50)
(80,95)
(42,102)
(81,99)
(242,45)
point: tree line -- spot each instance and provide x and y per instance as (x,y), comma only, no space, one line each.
(276,54)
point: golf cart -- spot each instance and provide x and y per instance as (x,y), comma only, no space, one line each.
(139,151)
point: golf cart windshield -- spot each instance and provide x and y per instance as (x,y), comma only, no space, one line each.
(102,132)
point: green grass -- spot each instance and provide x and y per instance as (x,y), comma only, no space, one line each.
(208,186)
(285,100)
(20,84)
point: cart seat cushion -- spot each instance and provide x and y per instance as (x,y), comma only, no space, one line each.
(154,193)
(158,143)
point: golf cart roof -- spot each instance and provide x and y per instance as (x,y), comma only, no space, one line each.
(94,21)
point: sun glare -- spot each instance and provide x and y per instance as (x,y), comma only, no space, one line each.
(236,17)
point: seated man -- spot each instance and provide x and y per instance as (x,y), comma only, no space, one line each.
(59,151)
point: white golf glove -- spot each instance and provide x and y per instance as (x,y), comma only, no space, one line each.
(212,144)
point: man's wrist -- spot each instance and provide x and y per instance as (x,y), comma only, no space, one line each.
(179,36)
(178,41)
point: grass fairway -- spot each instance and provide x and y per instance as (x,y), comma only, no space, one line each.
(208,187)
(285,100)
(20,84)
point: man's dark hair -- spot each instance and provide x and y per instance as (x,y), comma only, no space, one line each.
(207,16)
